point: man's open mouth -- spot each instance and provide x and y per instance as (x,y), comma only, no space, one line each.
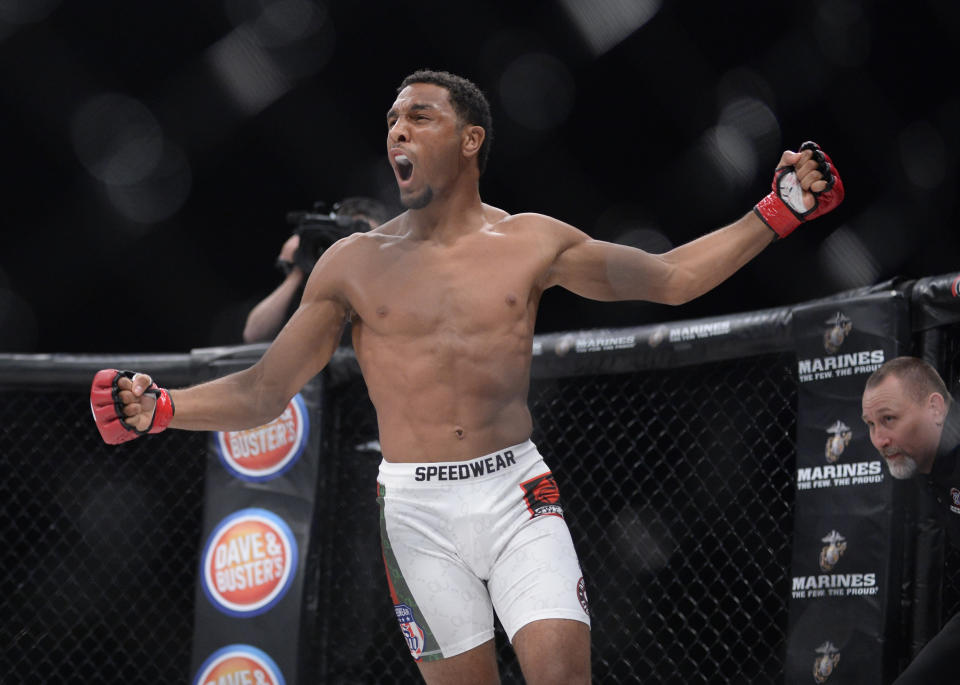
(404,167)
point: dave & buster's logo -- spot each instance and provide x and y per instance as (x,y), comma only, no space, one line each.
(259,454)
(248,562)
(542,496)
(239,664)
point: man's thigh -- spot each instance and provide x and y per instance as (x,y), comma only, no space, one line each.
(537,577)
(477,666)
(554,652)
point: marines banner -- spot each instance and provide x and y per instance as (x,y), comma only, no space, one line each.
(847,537)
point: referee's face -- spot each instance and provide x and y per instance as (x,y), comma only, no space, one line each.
(904,431)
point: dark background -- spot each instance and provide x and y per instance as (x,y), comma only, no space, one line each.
(151,151)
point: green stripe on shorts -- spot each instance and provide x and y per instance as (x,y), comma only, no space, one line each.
(423,646)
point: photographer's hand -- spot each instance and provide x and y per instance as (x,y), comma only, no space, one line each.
(287,252)
(269,315)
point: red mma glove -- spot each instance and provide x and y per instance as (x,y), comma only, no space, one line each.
(783,209)
(108,409)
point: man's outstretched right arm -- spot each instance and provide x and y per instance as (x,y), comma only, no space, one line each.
(126,406)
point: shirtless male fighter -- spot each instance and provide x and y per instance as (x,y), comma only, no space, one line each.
(443,300)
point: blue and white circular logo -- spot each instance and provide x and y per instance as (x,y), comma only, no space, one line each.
(248,563)
(265,452)
(239,664)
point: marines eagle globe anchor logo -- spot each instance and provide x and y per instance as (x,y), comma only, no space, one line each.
(824,664)
(840,436)
(840,327)
(830,555)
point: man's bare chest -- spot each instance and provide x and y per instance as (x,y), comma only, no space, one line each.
(460,292)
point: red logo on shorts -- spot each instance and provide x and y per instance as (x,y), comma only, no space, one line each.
(542,496)
(582,596)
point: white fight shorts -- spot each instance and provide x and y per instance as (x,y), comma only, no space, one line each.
(463,539)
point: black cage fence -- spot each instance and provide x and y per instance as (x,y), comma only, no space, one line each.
(677,481)
(98,546)
(677,487)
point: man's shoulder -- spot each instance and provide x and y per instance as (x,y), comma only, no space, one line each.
(549,234)
(529,222)
(367,240)
(346,256)
(495,215)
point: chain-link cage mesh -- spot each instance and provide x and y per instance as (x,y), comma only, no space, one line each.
(677,486)
(98,546)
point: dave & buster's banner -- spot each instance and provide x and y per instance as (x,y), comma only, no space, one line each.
(847,540)
(258,514)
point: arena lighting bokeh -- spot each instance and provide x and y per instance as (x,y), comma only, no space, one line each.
(151,153)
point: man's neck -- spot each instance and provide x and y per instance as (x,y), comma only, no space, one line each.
(950,437)
(446,218)
(949,441)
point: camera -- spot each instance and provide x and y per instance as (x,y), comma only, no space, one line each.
(318,229)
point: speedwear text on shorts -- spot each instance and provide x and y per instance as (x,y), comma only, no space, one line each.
(478,467)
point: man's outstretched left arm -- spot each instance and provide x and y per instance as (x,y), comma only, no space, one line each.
(805,185)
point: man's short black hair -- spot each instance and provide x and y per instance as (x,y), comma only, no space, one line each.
(468,102)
